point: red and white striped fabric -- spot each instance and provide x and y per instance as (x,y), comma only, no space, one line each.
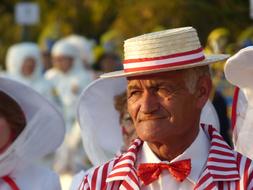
(234,107)
(225,169)
(183,58)
(10,182)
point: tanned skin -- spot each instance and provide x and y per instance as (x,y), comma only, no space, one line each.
(165,114)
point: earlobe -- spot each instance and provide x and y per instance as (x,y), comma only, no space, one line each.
(204,90)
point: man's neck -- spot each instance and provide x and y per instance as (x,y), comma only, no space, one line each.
(170,150)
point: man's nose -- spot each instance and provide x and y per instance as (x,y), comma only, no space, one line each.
(149,103)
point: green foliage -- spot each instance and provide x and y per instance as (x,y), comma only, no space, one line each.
(93,18)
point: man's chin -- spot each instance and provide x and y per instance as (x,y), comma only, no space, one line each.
(152,125)
(152,131)
(149,137)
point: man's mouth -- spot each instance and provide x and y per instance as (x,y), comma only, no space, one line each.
(150,118)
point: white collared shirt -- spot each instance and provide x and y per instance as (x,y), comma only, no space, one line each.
(197,152)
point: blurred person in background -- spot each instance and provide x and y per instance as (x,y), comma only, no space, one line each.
(217,43)
(107,62)
(24,64)
(46,60)
(108,53)
(245,38)
(111,41)
(85,48)
(69,78)
(46,48)
(30,128)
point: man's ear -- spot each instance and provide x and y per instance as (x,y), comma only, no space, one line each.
(203,90)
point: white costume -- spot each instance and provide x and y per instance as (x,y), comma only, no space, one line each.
(43,133)
(238,71)
(15,58)
(94,124)
(64,83)
(84,47)
(70,154)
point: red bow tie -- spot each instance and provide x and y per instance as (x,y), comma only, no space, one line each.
(150,172)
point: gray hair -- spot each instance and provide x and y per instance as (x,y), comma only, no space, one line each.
(192,76)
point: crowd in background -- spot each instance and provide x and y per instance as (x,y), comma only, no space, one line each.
(66,66)
(60,73)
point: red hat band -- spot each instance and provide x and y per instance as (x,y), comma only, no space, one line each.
(172,60)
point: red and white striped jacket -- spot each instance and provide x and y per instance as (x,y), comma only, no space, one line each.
(225,169)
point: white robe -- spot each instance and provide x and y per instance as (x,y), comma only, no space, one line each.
(42,135)
(32,177)
(15,59)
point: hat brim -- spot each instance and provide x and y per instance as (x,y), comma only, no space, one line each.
(45,127)
(97,116)
(238,68)
(210,59)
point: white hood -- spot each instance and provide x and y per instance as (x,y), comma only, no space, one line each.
(16,56)
(43,133)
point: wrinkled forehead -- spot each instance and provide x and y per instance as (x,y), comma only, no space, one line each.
(168,74)
(164,77)
(62,57)
(30,58)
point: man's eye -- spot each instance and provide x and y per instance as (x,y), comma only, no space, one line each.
(164,91)
(134,93)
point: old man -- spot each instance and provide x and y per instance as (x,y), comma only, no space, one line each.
(168,85)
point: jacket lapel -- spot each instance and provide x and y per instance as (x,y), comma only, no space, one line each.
(221,163)
(124,170)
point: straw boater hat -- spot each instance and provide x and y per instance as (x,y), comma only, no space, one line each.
(44,130)
(99,120)
(239,71)
(167,50)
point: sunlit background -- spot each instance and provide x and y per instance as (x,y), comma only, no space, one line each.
(224,26)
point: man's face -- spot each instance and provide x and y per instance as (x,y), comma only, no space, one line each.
(161,106)
(28,66)
(63,63)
